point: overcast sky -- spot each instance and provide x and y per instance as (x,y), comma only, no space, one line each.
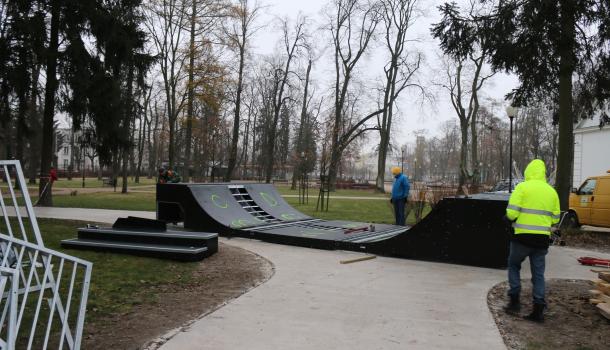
(414,115)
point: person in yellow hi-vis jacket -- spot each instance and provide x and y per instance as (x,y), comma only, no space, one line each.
(533,208)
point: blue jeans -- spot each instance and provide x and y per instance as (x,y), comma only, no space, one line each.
(399,211)
(518,253)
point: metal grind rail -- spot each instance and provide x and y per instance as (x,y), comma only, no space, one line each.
(43,292)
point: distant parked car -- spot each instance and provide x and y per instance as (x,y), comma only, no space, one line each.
(502,186)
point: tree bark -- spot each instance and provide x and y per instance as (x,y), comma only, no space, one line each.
(566,119)
(127,121)
(45,193)
(190,97)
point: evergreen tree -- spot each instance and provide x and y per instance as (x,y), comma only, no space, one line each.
(547,44)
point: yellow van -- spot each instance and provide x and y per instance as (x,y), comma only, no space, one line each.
(590,204)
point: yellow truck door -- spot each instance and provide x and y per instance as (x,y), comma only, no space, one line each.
(600,203)
(582,204)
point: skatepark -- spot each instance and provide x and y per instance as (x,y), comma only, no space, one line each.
(313,301)
(334,284)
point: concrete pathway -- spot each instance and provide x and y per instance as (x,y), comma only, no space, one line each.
(314,302)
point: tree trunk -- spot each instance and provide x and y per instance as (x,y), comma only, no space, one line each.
(463,156)
(300,146)
(190,97)
(474,149)
(566,119)
(127,121)
(46,196)
(235,135)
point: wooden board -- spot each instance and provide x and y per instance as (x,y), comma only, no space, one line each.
(369,257)
(603,297)
(604,309)
(602,286)
(604,276)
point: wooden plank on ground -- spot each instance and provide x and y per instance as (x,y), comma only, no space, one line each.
(602,286)
(604,308)
(597,270)
(363,258)
(603,297)
(604,276)
(595,301)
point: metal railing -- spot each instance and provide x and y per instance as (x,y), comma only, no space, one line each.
(43,292)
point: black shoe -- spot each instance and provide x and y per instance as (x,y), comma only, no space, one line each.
(537,314)
(513,306)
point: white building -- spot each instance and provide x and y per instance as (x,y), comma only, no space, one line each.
(64,152)
(591,150)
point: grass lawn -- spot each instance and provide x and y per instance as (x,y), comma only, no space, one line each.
(313,192)
(118,283)
(340,209)
(144,201)
(362,210)
(117,279)
(92,182)
(108,200)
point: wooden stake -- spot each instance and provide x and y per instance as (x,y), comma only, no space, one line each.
(363,258)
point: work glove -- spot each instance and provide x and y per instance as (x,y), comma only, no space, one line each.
(507,220)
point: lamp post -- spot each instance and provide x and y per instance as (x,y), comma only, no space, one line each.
(511,112)
(402,159)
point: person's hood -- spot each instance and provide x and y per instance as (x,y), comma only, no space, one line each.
(536,170)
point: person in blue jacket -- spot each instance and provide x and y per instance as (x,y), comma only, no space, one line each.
(400,193)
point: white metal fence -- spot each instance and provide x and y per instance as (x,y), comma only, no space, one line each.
(43,292)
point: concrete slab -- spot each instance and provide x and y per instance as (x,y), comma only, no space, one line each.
(314,302)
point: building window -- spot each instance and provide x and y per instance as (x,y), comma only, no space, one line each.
(65,164)
(66,150)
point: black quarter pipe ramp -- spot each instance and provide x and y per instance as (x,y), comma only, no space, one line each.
(458,230)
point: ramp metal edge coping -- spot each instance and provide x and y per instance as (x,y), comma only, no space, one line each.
(372,237)
(284,224)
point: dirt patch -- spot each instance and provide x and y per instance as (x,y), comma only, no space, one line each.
(570,321)
(220,278)
(598,241)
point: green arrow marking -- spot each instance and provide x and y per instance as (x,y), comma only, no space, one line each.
(215,199)
(239,223)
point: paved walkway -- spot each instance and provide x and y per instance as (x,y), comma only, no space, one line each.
(313,302)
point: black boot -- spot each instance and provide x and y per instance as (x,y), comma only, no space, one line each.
(537,314)
(513,306)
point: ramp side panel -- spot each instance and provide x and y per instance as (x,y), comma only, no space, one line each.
(458,230)
(219,203)
(268,198)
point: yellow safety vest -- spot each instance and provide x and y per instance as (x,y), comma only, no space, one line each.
(534,204)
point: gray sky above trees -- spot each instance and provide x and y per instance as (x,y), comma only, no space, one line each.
(414,114)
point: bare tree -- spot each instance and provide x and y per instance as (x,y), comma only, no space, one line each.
(292,42)
(397,19)
(352,26)
(237,34)
(465,79)
(202,20)
(168,22)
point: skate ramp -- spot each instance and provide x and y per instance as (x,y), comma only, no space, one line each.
(464,230)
